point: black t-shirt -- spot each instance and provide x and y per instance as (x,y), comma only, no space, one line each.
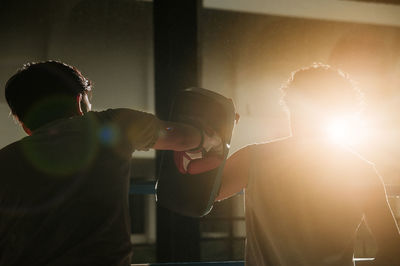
(64,190)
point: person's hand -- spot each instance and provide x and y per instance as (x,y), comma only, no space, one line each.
(194,163)
(207,157)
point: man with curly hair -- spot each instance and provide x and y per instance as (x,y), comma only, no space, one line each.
(305,196)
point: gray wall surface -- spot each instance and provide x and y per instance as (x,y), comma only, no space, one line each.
(244,56)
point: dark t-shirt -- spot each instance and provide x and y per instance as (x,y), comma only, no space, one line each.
(64,190)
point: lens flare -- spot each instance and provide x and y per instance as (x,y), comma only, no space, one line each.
(347,130)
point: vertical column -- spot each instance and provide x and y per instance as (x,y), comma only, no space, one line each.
(176,68)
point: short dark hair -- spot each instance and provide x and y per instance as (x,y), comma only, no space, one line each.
(45,91)
(323,87)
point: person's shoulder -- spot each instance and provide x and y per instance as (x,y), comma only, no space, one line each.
(358,157)
(348,154)
(357,169)
(273,145)
(115,111)
(10,149)
(121,114)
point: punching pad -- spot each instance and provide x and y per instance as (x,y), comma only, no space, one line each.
(194,194)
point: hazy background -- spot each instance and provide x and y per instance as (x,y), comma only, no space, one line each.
(248,49)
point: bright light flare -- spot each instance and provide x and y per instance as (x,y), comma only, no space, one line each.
(347,130)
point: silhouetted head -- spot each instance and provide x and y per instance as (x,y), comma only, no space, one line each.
(40,93)
(319,92)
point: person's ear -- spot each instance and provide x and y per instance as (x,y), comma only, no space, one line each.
(83,103)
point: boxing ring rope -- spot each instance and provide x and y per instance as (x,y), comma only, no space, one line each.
(224,263)
(148,187)
(142,187)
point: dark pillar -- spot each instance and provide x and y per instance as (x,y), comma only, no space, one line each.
(176,68)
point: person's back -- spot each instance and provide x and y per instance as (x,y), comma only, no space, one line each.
(306,194)
(64,194)
(303,202)
(64,188)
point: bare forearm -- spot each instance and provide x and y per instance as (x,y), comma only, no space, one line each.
(178,137)
(235,175)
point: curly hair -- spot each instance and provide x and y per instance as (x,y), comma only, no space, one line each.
(322,88)
(45,91)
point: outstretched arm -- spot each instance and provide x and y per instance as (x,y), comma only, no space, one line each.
(144,131)
(178,137)
(383,225)
(235,175)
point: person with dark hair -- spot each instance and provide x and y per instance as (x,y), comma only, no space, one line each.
(305,195)
(54,89)
(64,188)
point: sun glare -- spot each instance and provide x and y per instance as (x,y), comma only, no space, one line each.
(346,130)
